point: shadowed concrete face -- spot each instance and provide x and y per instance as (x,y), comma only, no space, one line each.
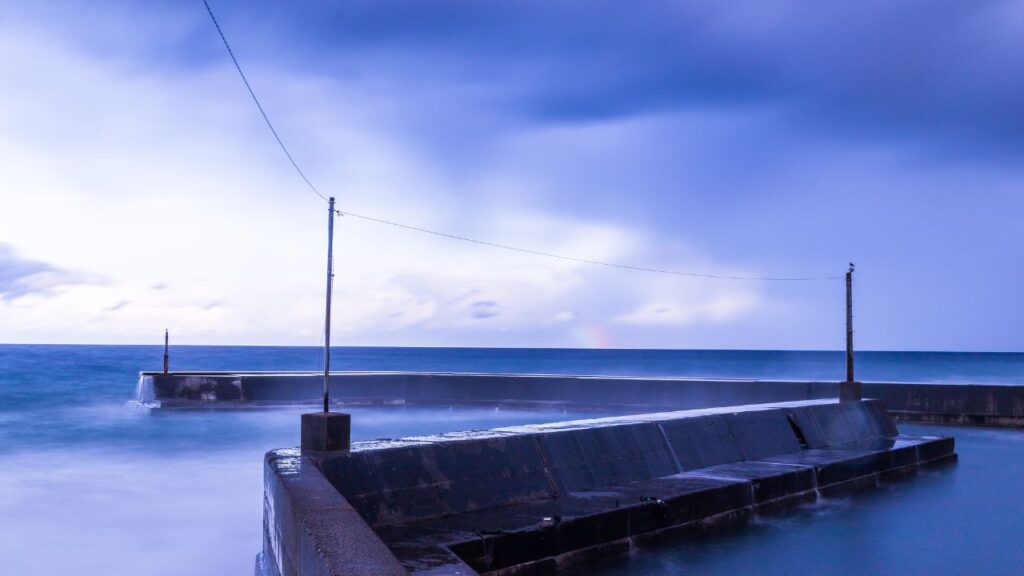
(992,405)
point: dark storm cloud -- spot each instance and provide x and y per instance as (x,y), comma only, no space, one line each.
(942,70)
(947,73)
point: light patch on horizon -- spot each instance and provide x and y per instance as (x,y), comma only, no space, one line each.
(561,297)
(712,309)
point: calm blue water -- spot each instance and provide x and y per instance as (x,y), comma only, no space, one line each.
(91,484)
(964,519)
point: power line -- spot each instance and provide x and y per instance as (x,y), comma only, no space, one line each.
(295,165)
(583,260)
(260,106)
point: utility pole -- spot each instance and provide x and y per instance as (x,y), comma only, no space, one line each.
(330,288)
(849,324)
(327,431)
(850,389)
(166,356)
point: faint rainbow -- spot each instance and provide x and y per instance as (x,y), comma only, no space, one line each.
(592,336)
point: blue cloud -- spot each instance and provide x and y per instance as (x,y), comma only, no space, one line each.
(23,277)
(923,70)
(483,309)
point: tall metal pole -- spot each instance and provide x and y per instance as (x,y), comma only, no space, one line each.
(849,324)
(330,287)
(166,356)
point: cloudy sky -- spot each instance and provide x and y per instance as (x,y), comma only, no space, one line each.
(139,188)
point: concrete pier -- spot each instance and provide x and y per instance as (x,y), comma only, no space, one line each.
(947,403)
(536,499)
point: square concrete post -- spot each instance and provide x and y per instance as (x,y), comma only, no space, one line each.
(326,431)
(850,391)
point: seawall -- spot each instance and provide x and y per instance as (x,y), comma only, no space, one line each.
(531,500)
(948,403)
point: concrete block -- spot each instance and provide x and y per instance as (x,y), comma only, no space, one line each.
(931,447)
(892,453)
(326,431)
(428,480)
(389,486)
(358,469)
(586,531)
(702,441)
(567,462)
(876,411)
(403,505)
(768,481)
(823,425)
(492,472)
(850,391)
(834,466)
(842,423)
(761,433)
(858,420)
(405,466)
(588,458)
(706,497)
(523,547)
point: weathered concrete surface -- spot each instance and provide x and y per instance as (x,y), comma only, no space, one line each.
(947,403)
(952,403)
(310,530)
(533,499)
(194,389)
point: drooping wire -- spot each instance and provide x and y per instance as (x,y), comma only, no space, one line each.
(295,165)
(260,106)
(583,260)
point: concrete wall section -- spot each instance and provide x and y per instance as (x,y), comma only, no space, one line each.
(839,423)
(701,442)
(430,477)
(588,458)
(761,433)
(954,403)
(310,530)
(196,387)
(181,389)
(419,480)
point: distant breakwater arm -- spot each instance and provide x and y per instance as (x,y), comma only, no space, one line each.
(946,403)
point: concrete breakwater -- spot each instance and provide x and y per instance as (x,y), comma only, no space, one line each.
(949,403)
(535,499)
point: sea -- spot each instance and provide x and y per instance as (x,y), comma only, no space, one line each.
(93,483)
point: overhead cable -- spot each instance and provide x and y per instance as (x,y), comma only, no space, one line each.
(584,260)
(295,165)
(260,106)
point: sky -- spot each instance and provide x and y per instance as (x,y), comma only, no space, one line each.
(141,190)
